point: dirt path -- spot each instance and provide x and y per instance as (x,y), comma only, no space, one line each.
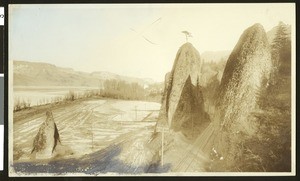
(199,149)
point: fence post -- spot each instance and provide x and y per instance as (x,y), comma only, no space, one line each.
(162,147)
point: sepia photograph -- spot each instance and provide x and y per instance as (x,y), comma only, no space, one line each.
(184,89)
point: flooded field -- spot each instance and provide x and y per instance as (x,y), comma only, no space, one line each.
(41,95)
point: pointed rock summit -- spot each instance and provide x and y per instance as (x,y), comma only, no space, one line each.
(183,105)
(247,71)
(47,138)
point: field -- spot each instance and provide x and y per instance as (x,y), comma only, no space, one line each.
(97,135)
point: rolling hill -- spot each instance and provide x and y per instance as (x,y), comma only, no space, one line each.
(43,74)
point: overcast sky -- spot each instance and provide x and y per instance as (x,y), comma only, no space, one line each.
(133,40)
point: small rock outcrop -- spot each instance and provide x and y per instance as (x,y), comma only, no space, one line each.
(183,105)
(47,138)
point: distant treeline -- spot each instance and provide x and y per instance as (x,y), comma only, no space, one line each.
(118,89)
(114,89)
(121,90)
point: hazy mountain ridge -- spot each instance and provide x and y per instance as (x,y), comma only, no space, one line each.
(215,56)
(45,74)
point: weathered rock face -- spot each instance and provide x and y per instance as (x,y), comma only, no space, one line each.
(183,100)
(46,139)
(167,80)
(189,116)
(163,113)
(247,71)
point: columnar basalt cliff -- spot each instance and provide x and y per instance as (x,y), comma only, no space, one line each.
(183,105)
(246,73)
